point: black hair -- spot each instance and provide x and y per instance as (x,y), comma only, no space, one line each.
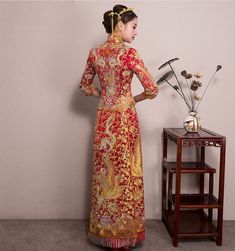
(125,17)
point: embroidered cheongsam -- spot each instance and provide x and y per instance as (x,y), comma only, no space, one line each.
(117,199)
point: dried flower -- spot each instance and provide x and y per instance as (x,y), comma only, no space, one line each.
(195,85)
(218,67)
(184,73)
(197,75)
(196,97)
(188,76)
(192,100)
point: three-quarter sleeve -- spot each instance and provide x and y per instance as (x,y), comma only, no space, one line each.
(86,84)
(136,64)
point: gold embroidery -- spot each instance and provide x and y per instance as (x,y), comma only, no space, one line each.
(109,183)
(117,200)
(136,165)
(122,104)
(107,143)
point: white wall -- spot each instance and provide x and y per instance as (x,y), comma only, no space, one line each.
(46,125)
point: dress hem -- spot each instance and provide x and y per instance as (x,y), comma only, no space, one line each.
(116,242)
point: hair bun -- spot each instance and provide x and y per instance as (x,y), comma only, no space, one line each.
(126,16)
(107,21)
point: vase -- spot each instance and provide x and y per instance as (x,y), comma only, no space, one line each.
(192,123)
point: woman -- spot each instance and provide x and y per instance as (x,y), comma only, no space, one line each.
(117,200)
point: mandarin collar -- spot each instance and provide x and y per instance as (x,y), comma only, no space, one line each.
(115,39)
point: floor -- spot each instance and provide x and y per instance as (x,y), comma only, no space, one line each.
(70,235)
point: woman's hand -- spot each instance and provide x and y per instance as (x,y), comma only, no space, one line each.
(96,93)
(142,96)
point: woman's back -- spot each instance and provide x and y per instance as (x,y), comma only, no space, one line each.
(117,199)
(114,63)
(110,63)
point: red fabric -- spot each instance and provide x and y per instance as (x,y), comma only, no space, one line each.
(117,203)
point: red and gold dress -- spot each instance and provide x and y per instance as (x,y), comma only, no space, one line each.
(117,199)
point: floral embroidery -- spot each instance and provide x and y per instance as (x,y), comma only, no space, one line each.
(117,199)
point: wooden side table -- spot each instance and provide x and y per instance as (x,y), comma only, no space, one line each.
(191,215)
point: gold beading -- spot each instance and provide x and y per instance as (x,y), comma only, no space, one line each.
(119,14)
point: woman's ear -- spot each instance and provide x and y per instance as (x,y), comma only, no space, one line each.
(120,25)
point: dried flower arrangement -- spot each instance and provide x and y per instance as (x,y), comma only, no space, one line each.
(192,100)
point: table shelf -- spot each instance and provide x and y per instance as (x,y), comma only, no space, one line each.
(189,215)
(193,224)
(196,201)
(189,167)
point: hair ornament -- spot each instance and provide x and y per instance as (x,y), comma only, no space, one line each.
(112,13)
(125,10)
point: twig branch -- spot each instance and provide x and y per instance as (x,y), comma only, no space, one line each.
(186,102)
(205,90)
(181,90)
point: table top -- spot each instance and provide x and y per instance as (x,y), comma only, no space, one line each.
(204,137)
(202,134)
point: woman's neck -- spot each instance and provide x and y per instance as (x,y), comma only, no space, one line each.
(117,37)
